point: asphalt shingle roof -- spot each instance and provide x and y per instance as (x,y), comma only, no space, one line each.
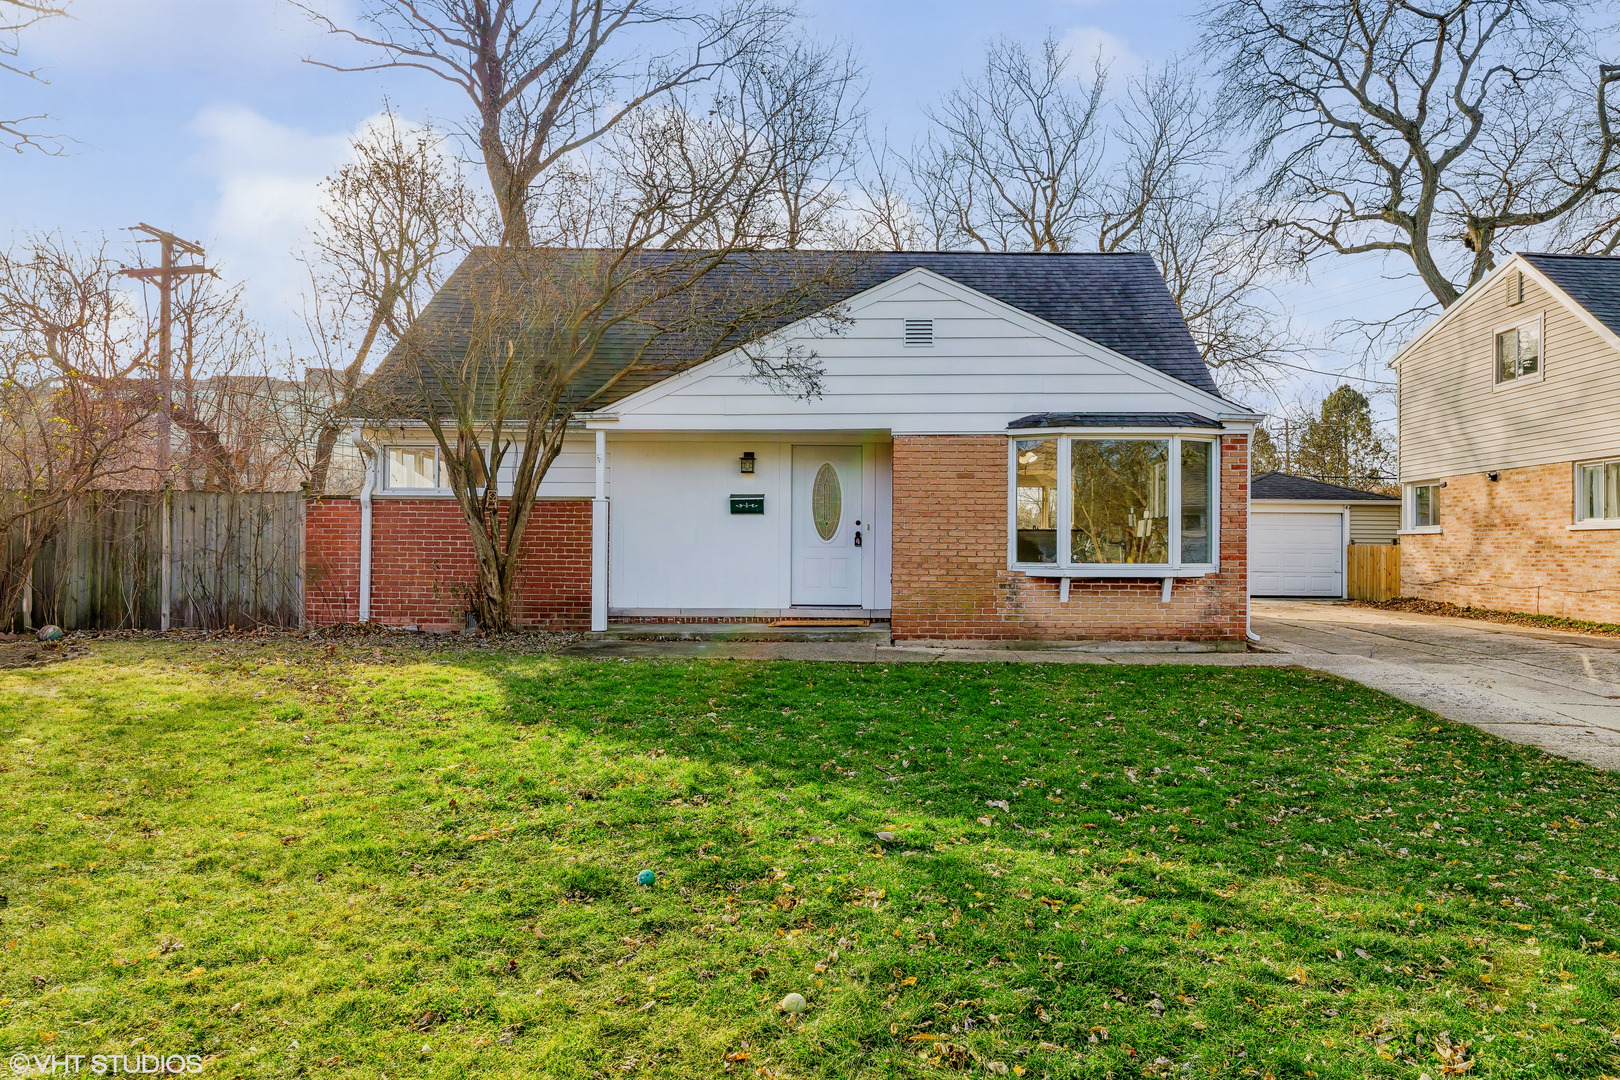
(1592,281)
(1276,485)
(1118,300)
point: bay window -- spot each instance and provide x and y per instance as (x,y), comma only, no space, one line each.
(1108,502)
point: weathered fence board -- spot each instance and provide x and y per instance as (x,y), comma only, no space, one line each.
(1374,572)
(234,561)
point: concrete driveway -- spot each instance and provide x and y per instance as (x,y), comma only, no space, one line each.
(1554,690)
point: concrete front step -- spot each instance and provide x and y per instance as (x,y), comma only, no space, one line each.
(873,634)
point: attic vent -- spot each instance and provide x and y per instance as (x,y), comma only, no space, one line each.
(919,333)
(1516,288)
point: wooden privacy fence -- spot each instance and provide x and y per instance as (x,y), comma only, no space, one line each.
(1374,572)
(234,560)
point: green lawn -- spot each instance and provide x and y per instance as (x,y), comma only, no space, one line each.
(346,860)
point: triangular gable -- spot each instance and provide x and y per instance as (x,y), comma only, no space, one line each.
(1483,286)
(924,287)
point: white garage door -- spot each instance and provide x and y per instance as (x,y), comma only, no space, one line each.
(1296,553)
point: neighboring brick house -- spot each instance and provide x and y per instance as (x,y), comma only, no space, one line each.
(1003,447)
(1510,443)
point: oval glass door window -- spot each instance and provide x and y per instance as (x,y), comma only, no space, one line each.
(826,501)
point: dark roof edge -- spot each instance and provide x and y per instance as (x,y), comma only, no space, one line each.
(1287,487)
(1102,420)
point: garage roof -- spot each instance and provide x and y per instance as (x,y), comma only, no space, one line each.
(1283,486)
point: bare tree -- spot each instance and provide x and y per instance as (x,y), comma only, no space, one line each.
(663,279)
(881,216)
(549,77)
(1028,159)
(74,393)
(1013,158)
(543,334)
(1174,194)
(805,100)
(15,17)
(391,222)
(1437,130)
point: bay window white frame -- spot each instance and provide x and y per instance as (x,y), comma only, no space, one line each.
(1065,567)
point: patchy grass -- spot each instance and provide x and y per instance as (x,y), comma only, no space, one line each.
(352,861)
(1516,618)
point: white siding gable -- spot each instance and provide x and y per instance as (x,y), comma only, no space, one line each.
(989,363)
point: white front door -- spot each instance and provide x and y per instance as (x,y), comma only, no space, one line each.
(1296,553)
(828,529)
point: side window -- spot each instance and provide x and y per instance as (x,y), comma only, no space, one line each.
(412,467)
(1425,505)
(1518,352)
(1597,491)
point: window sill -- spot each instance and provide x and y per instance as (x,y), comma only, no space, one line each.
(1595,525)
(414,493)
(1119,570)
(1420,530)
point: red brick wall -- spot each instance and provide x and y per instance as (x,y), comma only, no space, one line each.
(331,561)
(422,564)
(950,559)
(1505,545)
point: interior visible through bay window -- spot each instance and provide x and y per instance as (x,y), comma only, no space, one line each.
(1083,500)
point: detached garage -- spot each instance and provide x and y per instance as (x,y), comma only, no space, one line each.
(1299,529)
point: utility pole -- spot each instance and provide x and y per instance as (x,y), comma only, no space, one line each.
(166,273)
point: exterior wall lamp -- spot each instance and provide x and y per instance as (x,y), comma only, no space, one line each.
(747,462)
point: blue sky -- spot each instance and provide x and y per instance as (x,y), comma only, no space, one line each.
(199,116)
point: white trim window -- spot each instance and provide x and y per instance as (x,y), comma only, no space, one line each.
(1597,492)
(1423,506)
(1518,352)
(412,468)
(1099,503)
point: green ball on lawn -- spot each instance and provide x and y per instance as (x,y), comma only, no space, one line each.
(646,878)
(794,1004)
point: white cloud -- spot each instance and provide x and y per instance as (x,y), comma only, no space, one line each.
(267,176)
(1086,43)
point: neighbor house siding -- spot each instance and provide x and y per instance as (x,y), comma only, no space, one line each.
(422,564)
(1506,544)
(1455,419)
(1374,524)
(951,580)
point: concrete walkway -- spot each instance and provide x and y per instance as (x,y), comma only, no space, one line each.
(1557,691)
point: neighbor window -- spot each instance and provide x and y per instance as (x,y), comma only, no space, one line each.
(412,467)
(1518,352)
(1597,491)
(1425,511)
(1095,501)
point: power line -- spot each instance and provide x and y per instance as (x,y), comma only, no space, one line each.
(1333,374)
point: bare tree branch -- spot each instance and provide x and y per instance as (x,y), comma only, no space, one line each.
(1441,131)
(548,77)
(15,17)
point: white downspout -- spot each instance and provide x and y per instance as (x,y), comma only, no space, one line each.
(599,540)
(1248,523)
(368,453)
